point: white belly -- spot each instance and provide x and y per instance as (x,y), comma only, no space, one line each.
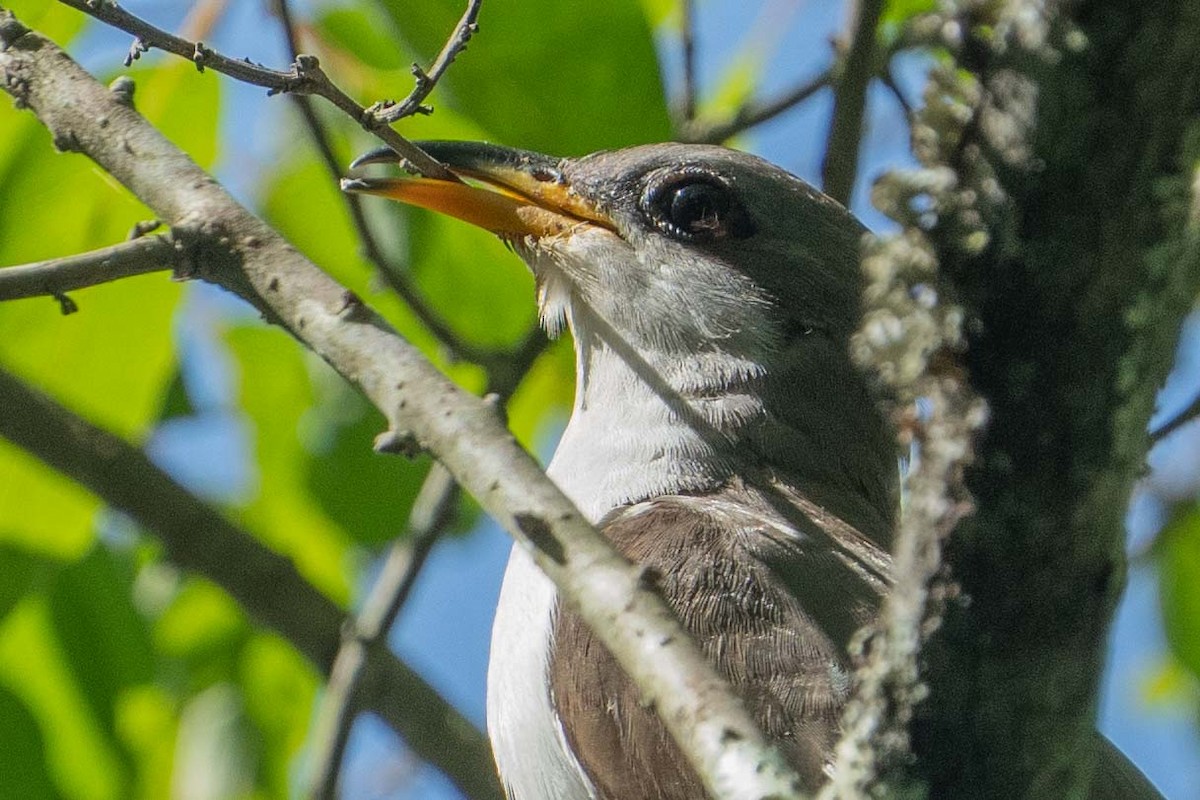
(527,738)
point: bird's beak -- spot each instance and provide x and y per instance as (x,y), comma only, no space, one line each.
(521,193)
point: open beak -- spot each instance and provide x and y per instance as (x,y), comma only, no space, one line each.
(520,193)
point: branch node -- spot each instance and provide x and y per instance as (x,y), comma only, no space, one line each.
(200,56)
(66,141)
(144,227)
(398,443)
(351,305)
(66,304)
(10,30)
(136,49)
(122,89)
(495,404)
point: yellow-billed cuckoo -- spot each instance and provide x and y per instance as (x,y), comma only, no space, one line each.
(720,436)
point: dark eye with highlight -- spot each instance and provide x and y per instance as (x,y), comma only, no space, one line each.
(696,207)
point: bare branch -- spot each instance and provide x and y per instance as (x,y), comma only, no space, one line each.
(390,273)
(1170,426)
(57,276)
(390,112)
(849,99)
(368,630)
(751,114)
(305,77)
(245,256)
(263,582)
(687,36)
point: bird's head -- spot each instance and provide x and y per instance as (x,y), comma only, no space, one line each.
(677,247)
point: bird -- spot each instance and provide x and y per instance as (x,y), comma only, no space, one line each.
(721,436)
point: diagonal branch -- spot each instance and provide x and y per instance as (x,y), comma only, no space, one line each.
(687,36)
(243,254)
(57,276)
(264,582)
(305,77)
(751,114)
(367,631)
(840,166)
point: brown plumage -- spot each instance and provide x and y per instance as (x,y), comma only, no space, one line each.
(727,563)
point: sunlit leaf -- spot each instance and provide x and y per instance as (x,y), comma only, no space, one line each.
(32,665)
(23,770)
(146,723)
(1178,553)
(105,641)
(896,15)
(551,82)
(278,688)
(55,21)
(276,394)
(368,494)
(364,32)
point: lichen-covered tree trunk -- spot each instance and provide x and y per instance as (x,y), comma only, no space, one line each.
(1071,237)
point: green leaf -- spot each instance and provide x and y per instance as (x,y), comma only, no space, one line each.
(364,32)
(83,760)
(485,292)
(55,21)
(108,362)
(1178,554)
(278,689)
(21,572)
(105,641)
(537,77)
(277,396)
(201,622)
(368,494)
(896,15)
(23,771)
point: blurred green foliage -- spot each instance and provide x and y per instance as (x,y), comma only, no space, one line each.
(119,676)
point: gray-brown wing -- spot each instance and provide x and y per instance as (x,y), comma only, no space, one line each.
(732,581)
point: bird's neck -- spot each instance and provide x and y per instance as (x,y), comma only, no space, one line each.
(655,421)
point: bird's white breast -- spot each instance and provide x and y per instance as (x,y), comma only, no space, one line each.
(527,737)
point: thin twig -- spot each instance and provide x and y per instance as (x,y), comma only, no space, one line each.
(304,77)
(687,36)
(394,277)
(1175,423)
(462,33)
(57,276)
(840,166)
(751,114)
(889,80)
(368,631)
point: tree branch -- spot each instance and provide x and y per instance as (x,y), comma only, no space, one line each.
(751,114)
(262,581)
(57,276)
(840,165)
(245,256)
(1074,263)
(305,77)
(426,81)
(390,273)
(369,628)
(687,37)
(1170,426)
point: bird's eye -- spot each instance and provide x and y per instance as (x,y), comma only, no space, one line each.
(696,207)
